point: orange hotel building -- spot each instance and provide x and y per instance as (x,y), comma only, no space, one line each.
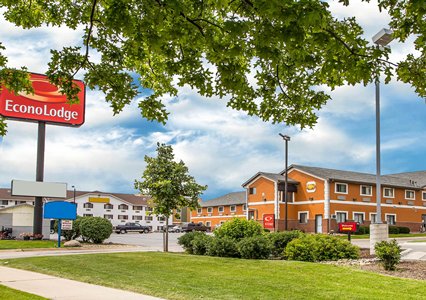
(319,198)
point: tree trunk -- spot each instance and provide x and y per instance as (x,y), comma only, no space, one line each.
(166,236)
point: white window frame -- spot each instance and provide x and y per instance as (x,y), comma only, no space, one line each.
(208,223)
(252,191)
(364,185)
(343,212)
(244,207)
(386,218)
(371,218)
(199,210)
(335,188)
(303,212)
(209,210)
(414,193)
(233,210)
(388,188)
(360,213)
(423,196)
(221,209)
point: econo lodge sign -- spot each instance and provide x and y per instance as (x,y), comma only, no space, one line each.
(46,104)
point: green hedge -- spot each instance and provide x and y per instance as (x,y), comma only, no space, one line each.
(279,240)
(222,247)
(255,247)
(186,240)
(319,247)
(238,229)
(389,254)
(95,229)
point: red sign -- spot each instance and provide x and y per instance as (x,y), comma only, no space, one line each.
(269,221)
(46,104)
(348,227)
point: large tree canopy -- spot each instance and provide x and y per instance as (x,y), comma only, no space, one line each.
(270,57)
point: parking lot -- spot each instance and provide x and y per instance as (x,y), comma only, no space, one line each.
(153,241)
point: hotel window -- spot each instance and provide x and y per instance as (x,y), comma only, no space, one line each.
(208,223)
(199,210)
(244,207)
(108,217)
(4,202)
(252,191)
(148,218)
(209,210)
(161,219)
(341,217)
(388,192)
(303,217)
(409,194)
(391,219)
(341,188)
(148,208)
(220,209)
(233,208)
(87,215)
(359,217)
(88,205)
(108,206)
(424,196)
(373,218)
(137,207)
(123,217)
(139,218)
(123,207)
(366,190)
(20,202)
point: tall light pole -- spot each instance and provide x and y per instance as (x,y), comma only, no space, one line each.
(286,138)
(73,192)
(381,39)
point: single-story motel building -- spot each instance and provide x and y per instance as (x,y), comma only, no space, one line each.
(319,198)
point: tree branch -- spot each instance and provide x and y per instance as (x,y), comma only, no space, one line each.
(279,83)
(193,23)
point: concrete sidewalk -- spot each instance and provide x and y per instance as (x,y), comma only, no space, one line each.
(64,289)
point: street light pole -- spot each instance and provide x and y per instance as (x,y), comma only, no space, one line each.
(381,39)
(286,138)
(73,193)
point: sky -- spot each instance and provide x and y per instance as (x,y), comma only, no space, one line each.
(221,147)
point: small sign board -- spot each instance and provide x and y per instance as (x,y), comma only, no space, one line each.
(66,224)
(60,210)
(39,189)
(348,227)
(269,221)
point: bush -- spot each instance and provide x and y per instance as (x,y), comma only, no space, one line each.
(186,240)
(238,229)
(363,230)
(222,247)
(279,240)
(200,243)
(404,229)
(95,229)
(319,247)
(255,247)
(389,254)
(393,230)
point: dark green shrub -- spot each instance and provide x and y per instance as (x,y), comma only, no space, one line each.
(95,229)
(320,247)
(393,230)
(404,230)
(255,247)
(200,243)
(363,230)
(186,240)
(238,229)
(279,240)
(389,254)
(222,247)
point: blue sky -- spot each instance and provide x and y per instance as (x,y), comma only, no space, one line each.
(222,147)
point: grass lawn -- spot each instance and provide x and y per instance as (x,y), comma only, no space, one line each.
(8,293)
(20,244)
(181,276)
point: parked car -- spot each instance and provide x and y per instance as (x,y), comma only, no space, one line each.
(174,228)
(195,227)
(132,227)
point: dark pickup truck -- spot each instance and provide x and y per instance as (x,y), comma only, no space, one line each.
(132,227)
(195,227)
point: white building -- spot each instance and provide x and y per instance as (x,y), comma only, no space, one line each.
(117,208)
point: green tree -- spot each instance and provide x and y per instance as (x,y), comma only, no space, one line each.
(269,57)
(169,184)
